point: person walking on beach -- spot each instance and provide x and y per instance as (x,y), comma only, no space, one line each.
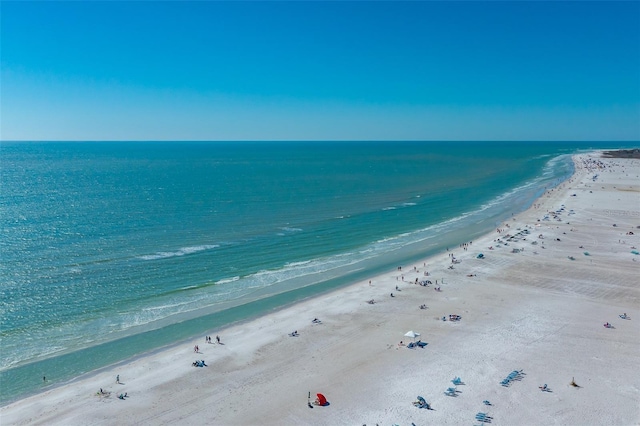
(218,339)
(118,379)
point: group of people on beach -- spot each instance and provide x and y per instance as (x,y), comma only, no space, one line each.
(103,392)
(122,396)
(207,339)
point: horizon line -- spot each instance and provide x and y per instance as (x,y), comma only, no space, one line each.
(321,140)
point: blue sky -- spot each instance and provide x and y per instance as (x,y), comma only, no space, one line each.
(320,70)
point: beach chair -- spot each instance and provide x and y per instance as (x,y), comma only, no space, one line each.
(421,403)
(457,381)
(483,417)
(505,382)
(451,392)
(411,345)
(421,344)
(485,402)
(513,375)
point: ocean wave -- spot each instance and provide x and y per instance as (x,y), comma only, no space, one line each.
(294,270)
(227,280)
(406,204)
(180,252)
(289,229)
(164,307)
(555,168)
(9,361)
(549,170)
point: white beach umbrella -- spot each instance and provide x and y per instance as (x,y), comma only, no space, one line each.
(412,334)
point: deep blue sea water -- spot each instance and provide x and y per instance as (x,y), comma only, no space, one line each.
(112,249)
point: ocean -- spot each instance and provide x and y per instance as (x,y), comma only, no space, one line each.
(114,249)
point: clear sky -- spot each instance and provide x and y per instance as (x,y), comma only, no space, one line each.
(299,70)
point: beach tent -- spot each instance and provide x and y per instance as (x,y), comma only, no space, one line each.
(321,399)
(412,334)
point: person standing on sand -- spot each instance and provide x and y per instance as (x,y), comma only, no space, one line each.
(218,339)
(118,379)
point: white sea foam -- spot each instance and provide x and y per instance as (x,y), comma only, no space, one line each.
(20,355)
(180,252)
(289,229)
(167,306)
(189,287)
(227,280)
(401,240)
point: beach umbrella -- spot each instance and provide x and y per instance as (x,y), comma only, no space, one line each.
(322,400)
(412,334)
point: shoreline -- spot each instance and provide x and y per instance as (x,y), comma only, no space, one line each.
(24,379)
(353,357)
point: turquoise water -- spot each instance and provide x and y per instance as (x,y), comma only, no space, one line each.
(113,249)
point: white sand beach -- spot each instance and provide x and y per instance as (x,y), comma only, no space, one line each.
(537,303)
